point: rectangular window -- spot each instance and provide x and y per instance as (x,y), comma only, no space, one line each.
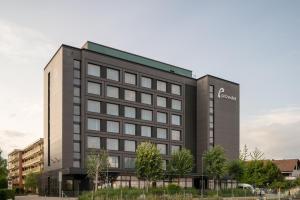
(176,120)
(76,74)
(161,133)
(129,129)
(93,106)
(211,133)
(113,161)
(162,148)
(146,115)
(76,146)
(211,125)
(112,109)
(211,140)
(113,74)
(175,148)
(146,131)
(211,110)
(211,103)
(112,91)
(76,110)
(76,128)
(161,117)
(129,145)
(93,70)
(176,104)
(76,137)
(211,95)
(76,155)
(146,98)
(176,135)
(76,100)
(93,142)
(211,88)
(112,127)
(76,164)
(76,91)
(211,118)
(129,163)
(164,164)
(129,95)
(130,78)
(76,118)
(175,89)
(112,144)
(129,112)
(93,124)
(76,64)
(76,81)
(94,88)
(161,86)
(161,101)
(146,82)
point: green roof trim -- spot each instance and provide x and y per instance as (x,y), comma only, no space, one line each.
(136,59)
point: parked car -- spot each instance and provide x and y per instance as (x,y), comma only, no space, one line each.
(246,186)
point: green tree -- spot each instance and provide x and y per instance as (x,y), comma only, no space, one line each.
(3,164)
(3,171)
(272,173)
(148,163)
(31,181)
(255,173)
(215,164)
(236,169)
(181,164)
(97,162)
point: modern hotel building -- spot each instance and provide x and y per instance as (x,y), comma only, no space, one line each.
(97,97)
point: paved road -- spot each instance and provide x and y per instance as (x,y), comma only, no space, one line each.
(35,197)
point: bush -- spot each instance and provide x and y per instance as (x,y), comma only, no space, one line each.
(7,194)
(173,189)
(3,183)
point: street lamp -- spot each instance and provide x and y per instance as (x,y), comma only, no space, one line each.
(202,177)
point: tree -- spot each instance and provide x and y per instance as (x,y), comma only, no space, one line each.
(257,154)
(244,153)
(3,164)
(3,172)
(215,163)
(262,173)
(97,163)
(181,163)
(31,181)
(236,169)
(148,163)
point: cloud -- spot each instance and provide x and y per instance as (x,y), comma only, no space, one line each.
(21,44)
(276,133)
(10,133)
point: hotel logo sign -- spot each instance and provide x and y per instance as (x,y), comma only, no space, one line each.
(223,95)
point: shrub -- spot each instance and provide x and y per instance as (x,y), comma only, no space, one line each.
(7,194)
(173,189)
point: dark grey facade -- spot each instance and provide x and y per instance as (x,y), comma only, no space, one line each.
(98,97)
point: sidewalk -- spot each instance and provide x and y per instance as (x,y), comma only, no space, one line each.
(36,197)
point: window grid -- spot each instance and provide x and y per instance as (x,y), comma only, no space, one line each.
(211,117)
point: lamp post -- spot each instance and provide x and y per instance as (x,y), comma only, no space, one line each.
(202,177)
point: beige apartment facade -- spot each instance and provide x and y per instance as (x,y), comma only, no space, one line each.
(25,161)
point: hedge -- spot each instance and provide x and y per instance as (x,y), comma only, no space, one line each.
(7,194)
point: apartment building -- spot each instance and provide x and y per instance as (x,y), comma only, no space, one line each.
(14,166)
(25,161)
(97,97)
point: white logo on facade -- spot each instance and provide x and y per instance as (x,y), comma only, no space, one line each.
(221,95)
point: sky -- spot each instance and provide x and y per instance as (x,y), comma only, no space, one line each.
(254,43)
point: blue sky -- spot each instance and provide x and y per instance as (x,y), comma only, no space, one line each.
(255,43)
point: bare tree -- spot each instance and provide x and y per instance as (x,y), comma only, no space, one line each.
(97,163)
(257,154)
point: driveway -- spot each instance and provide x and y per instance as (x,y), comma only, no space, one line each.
(35,197)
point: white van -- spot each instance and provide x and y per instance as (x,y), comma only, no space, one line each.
(246,186)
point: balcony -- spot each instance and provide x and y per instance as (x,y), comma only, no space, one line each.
(36,160)
(37,150)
